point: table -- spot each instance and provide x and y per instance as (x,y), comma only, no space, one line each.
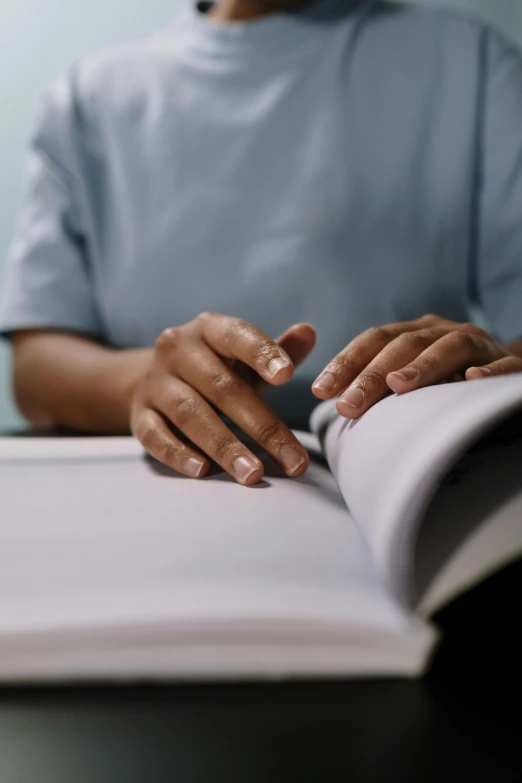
(461,723)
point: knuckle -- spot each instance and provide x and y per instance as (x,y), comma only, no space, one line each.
(430,363)
(475,330)
(224,385)
(342,365)
(204,317)
(383,335)
(263,352)
(373,378)
(224,449)
(168,453)
(186,410)
(237,329)
(418,341)
(155,444)
(376,333)
(168,339)
(388,332)
(430,318)
(466,340)
(268,432)
(405,339)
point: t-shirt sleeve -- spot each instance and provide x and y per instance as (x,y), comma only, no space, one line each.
(499,269)
(47,282)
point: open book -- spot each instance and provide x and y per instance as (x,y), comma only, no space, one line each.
(113,567)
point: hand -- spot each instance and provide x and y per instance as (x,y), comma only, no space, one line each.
(212,365)
(405,356)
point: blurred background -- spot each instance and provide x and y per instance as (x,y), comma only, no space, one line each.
(40,38)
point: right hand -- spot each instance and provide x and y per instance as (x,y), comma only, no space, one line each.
(206,366)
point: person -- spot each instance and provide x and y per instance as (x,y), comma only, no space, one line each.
(352,164)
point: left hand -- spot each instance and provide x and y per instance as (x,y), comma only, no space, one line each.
(405,356)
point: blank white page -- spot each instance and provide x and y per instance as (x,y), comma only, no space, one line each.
(95,538)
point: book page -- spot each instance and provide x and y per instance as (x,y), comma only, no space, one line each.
(390,463)
(480,506)
(98,542)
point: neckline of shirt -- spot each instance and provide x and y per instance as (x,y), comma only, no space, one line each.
(279,35)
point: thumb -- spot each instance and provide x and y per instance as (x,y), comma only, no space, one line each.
(298,341)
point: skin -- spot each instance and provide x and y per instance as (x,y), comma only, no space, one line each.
(171,396)
(403,357)
(248,10)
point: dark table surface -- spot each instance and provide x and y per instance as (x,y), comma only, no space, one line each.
(460,723)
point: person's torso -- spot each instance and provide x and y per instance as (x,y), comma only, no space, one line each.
(328,180)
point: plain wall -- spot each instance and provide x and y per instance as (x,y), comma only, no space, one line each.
(40,38)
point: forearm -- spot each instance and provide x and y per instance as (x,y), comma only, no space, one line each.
(62,380)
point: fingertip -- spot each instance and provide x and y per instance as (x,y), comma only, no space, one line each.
(296,461)
(477,373)
(308,331)
(254,479)
(304,328)
(248,471)
(298,342)
(348,411)
(324,387)
(196,467)
(279,371)
(398,384)
(301,470)
(322,394)
(395,384)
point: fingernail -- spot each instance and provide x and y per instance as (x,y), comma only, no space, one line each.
(194,467)
(291,458)
(325,382)
(353,397)
(276,365)
(407,373)
(243,468)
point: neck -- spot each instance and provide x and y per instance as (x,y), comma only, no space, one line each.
(248,10)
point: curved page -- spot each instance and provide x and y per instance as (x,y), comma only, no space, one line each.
(390,463)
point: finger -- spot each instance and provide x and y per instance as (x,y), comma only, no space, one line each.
(371,385)
(194,417)
(298,342)
(453,353)
(156,438)
(342,371)
(506,366)
(233,338)
(205,372)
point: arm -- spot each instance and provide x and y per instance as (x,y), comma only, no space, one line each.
(170,397)
(62,380)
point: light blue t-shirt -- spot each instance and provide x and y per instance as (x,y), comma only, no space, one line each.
(350,165)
